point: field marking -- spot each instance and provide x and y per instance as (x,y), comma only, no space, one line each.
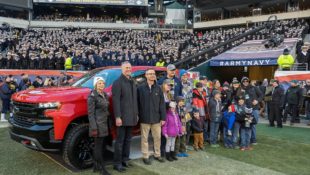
(57,163)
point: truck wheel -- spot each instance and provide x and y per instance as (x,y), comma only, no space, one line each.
(77,148)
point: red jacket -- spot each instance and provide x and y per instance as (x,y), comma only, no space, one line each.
(200,103)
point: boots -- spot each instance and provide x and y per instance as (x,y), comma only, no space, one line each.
(104,171)
(96,167)
(173,155)
(3,117)
(168,156)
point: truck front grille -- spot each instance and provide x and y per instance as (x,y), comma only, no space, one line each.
(26,114)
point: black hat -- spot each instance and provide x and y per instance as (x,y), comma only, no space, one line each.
(235,82)
(214,92)
(195,110)
(248,110)
(240,97)
(179,98)
(203,77)
(226,85)
(244,79)
(199,85)
(286,52)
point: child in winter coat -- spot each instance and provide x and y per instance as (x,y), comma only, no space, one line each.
(171,129)
(229,117)
(180,144)
(197,124)
(247,121)
(200,103)
(215,109)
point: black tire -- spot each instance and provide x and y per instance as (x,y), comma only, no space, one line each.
(77,148)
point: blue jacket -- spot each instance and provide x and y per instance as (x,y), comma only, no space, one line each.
(229,119)
(177,85)
(5,91)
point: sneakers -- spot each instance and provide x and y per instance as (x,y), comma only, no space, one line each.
(185,154)
(242,149)
(229,133)
(249,148)
(215,145)
(147,161)
(180,155)
(254,143)
(3,118)
(159,159)
(236,147)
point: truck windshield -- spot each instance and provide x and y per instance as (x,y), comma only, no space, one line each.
(109,75)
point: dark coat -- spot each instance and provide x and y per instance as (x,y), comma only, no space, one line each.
(241,118)
(24,62)
(98,112)
(6,91)
(3,63)
(152,108)
(277,97)
(197,125)
(294,95)
(226,98)
(253,93)
(50,63)
(214,116)
(60,63)
(32,64)
(125,100)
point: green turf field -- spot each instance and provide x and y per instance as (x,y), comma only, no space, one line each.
(285,150)
(280,151)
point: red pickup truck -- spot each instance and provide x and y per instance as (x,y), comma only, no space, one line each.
(55,119)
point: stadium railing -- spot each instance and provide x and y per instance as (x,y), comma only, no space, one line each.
(252,19)
(294,67)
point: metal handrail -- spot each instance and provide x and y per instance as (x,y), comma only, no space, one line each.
(294,67)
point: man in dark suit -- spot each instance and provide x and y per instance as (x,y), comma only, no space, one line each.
(276,103)
(125,106)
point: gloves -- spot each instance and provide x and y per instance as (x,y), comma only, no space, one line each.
(94,133)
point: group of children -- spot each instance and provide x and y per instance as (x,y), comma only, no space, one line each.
(232,122)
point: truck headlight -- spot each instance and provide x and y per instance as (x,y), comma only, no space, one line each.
(49,105)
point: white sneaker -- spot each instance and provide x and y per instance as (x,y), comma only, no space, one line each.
(229,132)
(3,118)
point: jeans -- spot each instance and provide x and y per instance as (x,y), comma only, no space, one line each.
(122,144)
(205,131)
(245,137)
(228,139)
(253,134)
(236,133)
(214,127)
(170,144)
(6,107)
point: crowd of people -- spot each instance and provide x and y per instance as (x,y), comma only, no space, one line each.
(77,49)
(176,109)
(102,18)
(9,85)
